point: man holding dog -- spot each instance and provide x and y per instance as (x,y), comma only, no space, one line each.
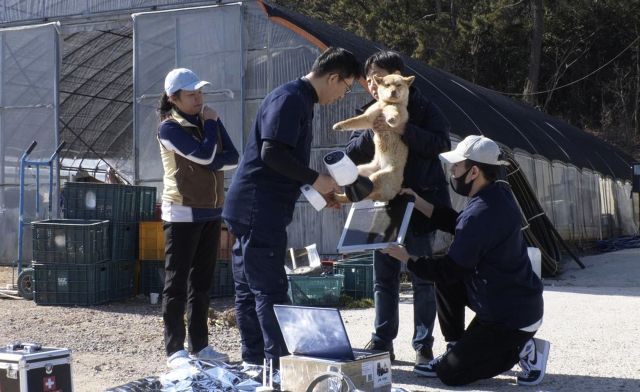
(486,269)
(261,199)
(427,135)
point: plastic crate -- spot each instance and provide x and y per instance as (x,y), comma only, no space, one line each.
(123,240)
(320,291)
(70,284)
(223,284)
(358,278)
(128,204)
(151,276)
(151,241)
(146,203)
(70,241)
(89,200)
(121,277)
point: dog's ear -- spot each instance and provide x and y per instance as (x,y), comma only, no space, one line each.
(378,79)
(408,80)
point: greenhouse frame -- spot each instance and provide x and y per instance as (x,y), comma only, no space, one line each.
(90,73)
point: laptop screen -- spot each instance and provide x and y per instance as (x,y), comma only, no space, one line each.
(314,332)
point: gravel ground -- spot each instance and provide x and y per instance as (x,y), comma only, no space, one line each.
(591,320)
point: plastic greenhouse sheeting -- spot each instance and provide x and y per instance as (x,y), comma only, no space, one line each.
(28,109)
(208,41)
(104,89)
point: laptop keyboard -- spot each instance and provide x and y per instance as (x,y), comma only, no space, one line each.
(359,354)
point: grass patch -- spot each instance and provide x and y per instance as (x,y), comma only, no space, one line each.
(348,302)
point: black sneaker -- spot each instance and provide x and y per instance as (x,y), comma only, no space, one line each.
(429,369)
(533,362)
(381,346)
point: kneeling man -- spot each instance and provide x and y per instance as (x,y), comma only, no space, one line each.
(486,269)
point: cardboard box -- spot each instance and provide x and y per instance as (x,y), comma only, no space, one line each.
(370,374)
(45,369)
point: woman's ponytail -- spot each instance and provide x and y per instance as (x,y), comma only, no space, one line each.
(165,106)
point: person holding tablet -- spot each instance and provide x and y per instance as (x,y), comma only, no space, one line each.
(426,134)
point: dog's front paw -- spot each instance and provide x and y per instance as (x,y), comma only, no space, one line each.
(338,126)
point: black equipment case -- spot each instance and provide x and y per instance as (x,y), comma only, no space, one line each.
(29,367)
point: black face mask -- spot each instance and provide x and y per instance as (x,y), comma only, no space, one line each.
(458,185)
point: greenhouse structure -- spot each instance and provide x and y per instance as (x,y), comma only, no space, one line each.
(90,73)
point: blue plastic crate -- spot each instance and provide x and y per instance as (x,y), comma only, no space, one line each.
(121,275)
(71,284)
(70,241)
(319,291)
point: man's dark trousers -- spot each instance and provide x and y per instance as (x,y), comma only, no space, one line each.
(482,351)
(260,282)
(190,262)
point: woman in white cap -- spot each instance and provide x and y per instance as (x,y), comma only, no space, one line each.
(486,269)
(195,149)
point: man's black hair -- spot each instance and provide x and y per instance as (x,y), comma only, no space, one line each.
(491,172)
(388,60)
(339,61)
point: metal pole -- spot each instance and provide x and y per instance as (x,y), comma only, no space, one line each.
(37,167)
(56,114)
(136,109)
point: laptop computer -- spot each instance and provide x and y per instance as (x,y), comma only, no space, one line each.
(317,332)
(375,225)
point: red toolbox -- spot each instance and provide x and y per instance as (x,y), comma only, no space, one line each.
(29,367)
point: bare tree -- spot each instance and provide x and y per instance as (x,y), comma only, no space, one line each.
(531,85)
(438,8)
(636,108)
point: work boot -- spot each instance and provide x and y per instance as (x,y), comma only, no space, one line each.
(429,369)
(424,355)
(381,346)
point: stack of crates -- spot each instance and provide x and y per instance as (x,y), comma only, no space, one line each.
(71,262)
(123,206)
(152,261)
(358,275)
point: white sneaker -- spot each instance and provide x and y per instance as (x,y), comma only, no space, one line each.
(533,362)
(178,359)
(209,354)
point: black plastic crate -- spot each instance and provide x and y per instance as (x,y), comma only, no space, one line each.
(146,203)
(121,276)
(128,204)
(70,284)
(151,276)
(358,278)
(70,241)
(223,284)
(124,240)
(89,200)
